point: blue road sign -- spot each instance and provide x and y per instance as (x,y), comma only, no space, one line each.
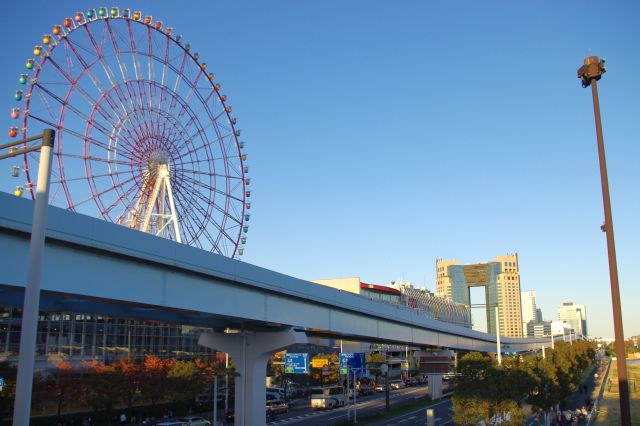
(296,363)
(353,362)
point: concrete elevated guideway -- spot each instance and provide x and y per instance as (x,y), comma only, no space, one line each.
(137,274)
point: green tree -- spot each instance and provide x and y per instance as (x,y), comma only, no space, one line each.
(130,373)
(469,411)
(545,392)
(486,391)
(276,364)
(471,401)
(62,385)
(154,372)
(102,387)
(186,382)
(8,393)
(317,373)
(374,360)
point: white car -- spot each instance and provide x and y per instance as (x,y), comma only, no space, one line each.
(396,384)
(195,421)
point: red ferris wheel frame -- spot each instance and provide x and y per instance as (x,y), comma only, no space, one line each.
(125,95)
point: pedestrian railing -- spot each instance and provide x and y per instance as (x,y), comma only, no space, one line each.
(591,417)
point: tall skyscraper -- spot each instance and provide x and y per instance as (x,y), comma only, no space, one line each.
(575,316)
(501,281)
(528,301)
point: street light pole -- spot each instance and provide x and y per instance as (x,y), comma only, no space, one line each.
(498,348)
(26,357)
(590,73)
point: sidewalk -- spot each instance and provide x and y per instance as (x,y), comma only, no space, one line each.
(579,397)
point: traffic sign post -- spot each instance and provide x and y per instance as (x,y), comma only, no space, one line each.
(350,362)
(296,363)
(384,369)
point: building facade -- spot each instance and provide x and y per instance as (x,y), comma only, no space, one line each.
(77,337)
(529,311)
(501,280)
(575,316)
(406,295)
(538,329)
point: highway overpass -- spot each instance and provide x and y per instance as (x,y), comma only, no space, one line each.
(137,274)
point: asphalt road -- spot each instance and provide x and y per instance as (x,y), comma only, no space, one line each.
(301,413)
(441,414)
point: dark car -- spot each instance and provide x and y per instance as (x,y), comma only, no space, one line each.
(364,390)
(230,416)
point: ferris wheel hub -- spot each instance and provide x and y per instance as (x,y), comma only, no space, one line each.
(156,158)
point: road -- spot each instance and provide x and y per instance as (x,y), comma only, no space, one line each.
(441,414)
(301,414)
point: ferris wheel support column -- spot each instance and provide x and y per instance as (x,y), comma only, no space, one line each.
(136,213)
(146,221)
(172,206)
(162,185)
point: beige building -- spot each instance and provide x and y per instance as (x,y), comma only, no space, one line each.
(405,294)
(501,280)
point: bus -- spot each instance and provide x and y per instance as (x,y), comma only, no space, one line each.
(327,397)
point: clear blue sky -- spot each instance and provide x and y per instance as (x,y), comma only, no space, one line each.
(384,135)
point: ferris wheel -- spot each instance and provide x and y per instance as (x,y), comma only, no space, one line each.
(144,135)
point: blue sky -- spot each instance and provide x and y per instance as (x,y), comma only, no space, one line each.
(384,135)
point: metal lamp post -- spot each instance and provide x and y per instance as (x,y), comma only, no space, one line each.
(26,357)
(590,72)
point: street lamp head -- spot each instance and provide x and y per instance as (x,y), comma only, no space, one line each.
(592,69)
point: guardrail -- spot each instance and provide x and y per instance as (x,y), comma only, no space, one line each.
(591,417)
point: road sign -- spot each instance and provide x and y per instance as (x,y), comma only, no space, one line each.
(319,362)
(1,382)
(296,363)
(350,362)
(384,368)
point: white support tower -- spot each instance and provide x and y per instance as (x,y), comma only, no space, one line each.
(155,211)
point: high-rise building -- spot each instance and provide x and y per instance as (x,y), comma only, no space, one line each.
(539,314)
(575,316)
(528,301)
(501,281)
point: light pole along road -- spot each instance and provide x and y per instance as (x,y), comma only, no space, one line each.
(26,356)
(590,72)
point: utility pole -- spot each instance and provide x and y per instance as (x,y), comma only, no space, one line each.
(590,72)
(31,307)
(498,348)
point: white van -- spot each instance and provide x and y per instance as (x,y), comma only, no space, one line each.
(327,397)
(275,393)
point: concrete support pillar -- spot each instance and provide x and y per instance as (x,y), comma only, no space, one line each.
(251,351)
(435,386)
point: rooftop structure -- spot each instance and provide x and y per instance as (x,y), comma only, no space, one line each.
(405,294)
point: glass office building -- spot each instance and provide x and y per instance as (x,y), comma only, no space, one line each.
(78,336)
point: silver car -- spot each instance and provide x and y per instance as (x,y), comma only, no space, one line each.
(195,421)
